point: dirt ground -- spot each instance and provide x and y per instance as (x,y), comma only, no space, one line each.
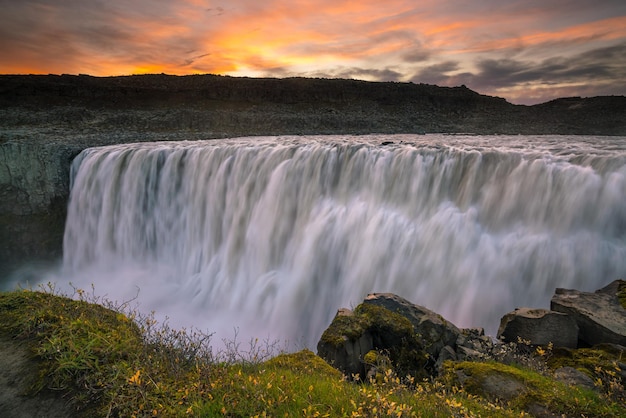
(17,373)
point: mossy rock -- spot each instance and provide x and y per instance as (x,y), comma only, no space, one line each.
(525,390)
(368,318)
(373,327)
(344,327)
(596,362)
(388,328)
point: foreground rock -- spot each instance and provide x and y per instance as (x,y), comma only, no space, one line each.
(415,339)
(353,335)
(576,319)
(387,329)
(599,315)
(434,331)
(539,326)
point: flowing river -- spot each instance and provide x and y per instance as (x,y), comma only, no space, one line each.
(271,235)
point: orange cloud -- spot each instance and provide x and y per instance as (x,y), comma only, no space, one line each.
(397,38)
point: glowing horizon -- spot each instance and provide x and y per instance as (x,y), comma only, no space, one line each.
(524,51)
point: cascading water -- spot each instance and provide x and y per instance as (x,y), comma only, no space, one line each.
(272,235)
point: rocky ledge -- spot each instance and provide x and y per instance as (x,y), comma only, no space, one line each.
(388,332)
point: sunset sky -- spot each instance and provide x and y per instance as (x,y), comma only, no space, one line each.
(527,51)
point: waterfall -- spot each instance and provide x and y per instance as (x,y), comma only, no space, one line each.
(272,235)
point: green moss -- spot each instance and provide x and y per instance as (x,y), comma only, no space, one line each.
(304,361)
(522,389)
(594,361)
(351,327)
(33,314)
(379,318)
(367,317)
(372,357)
(391,332)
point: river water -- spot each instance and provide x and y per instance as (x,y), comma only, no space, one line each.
(271,235)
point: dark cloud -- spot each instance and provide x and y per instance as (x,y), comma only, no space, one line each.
(67,34)
(604,68)
(416,55)
(602,64)
(436,73)
(191,60)
(362,73)
(216,11)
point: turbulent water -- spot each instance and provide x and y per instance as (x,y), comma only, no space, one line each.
(272,235)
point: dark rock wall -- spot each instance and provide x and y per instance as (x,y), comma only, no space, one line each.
(228,105)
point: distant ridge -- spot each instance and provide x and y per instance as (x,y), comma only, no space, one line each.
(223,105)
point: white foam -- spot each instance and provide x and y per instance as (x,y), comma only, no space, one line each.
(272,235)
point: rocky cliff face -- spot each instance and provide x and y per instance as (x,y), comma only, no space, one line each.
(46,120)
(34,185)
(33,175)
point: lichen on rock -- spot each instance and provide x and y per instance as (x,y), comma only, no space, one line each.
(349,338)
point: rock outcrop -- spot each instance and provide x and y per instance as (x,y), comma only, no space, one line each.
(418,341)
(600,316)
(353,334)
(574,377)
(576,319)
(413,338)
(33,175)
(539,326)
(434,331)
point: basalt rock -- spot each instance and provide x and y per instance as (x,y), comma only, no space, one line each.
(574,377)
(540,327)
(600,316)
(352,335)
(345,343)
(434,331)
(415,339)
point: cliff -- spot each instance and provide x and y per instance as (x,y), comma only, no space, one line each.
(227,106)
(47,120)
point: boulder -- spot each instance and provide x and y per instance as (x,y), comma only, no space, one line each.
(539,327)
(473,344)
(574,377)
(410,336)
(434,331)
(600,316)
(490,384)
(345,343)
